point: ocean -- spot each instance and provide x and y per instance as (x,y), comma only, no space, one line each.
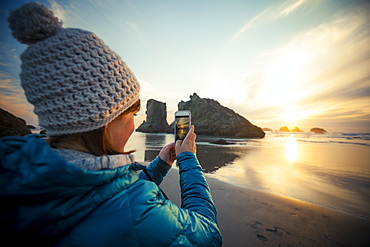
(330,170)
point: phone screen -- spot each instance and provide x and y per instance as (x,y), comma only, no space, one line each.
(182,125)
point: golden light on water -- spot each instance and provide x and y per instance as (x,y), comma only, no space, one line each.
(291,149)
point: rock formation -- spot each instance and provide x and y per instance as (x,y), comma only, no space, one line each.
(31,127)
(222,142)
(211,118)
(284,129)
(266,129)
(156,118)
(296,129)
(318,130)
(11,125)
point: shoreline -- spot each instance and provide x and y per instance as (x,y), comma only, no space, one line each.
(252,217)
(267,191)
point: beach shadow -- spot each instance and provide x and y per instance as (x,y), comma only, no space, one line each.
(155,140)
(153,144)
(212,158)
(150,155)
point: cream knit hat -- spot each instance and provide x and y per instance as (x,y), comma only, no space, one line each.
(74,80)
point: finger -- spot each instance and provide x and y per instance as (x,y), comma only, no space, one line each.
(192,129)
(190,133)
(178,144)
(173,154)
(165,148)
(171,145)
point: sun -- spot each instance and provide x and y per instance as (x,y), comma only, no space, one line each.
(292,116)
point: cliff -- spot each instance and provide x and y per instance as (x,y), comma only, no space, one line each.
(211,118)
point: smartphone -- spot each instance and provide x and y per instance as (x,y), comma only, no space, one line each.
(182,124)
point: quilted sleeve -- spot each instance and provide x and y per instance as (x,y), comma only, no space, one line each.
(195,193)
(157,169)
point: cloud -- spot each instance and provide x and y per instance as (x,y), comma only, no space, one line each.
(149,91)
(249,24)
(12,97)
(11,92)
(59,11)
(319,71)
(356,89)
(112,21)
(13,100)
(70,14)
(289,7)
(270,14)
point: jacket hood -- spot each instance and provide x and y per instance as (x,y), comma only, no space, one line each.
(43,196)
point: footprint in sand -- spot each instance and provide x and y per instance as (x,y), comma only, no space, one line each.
(275,231)
(262,238)
(257,227)
(264,203)
(255,224)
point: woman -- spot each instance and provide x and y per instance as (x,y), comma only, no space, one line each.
(85,190)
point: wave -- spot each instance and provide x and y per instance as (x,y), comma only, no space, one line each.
(335,142)
(362,139)
(355,136)
(331,138)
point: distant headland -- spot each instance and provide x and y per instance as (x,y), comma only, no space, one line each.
(296,129)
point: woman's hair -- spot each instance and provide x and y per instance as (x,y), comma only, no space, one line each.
(94,141)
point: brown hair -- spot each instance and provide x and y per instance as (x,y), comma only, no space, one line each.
(94,141)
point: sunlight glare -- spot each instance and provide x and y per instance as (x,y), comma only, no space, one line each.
(291,115)
(291,149)
(285,77)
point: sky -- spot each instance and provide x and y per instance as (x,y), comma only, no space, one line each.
(302,63)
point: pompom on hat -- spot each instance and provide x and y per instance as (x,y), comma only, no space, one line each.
(74,80)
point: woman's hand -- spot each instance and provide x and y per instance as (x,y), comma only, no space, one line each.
(167,154)
(188,144)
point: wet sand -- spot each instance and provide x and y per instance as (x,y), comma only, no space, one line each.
(256,218)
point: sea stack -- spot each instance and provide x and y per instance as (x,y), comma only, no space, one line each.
(156,118)
(318,130)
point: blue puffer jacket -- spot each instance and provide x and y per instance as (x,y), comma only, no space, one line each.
(47,201)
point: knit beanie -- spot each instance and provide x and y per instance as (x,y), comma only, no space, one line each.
(74,80)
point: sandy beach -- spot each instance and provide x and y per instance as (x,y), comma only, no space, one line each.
(256,218)
(282,190)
